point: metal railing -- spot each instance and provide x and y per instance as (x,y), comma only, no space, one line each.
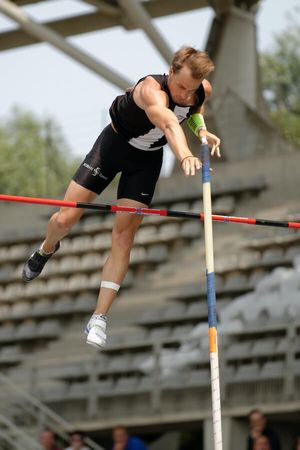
(35,409)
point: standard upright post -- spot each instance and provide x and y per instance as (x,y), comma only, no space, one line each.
(211,299)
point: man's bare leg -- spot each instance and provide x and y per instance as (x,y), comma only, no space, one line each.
(62,221)
(114,270)
(58,227)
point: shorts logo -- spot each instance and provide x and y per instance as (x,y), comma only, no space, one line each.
(95,172)
(143,194)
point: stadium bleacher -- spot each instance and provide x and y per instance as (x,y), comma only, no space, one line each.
(157,350)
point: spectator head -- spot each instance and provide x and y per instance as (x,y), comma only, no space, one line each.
(262,443)
(120,435)
(257,420)
(297,443)
(76,440)
(47,439)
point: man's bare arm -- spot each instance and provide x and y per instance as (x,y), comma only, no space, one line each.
(149,96)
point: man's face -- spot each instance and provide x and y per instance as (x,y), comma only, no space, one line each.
(76,441)
(262,443)
(183,86)
(47,439)
(120,436)
(257,421)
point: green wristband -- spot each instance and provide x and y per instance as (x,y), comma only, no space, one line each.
(196,123)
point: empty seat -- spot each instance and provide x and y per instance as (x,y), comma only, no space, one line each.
(79,281)
(272,370)
(264,347)
(235,280)
(104,387)
(247,372)
(256,276)
(101,241)
(81,244)
(273,255)
(119,363)
(32,290)
(48,328)
(292,251)
(158,334)
(196,309)
(6,271)
(138,360)
(3,253)
(197,206)
(52,392)
(68,264)
(137,336)
(91,261)
(7,332)
(174,310)
(146,234)
(151,316)
(17,251)
(200,377)
(20,309)
(224,204)
(138,254)
(5,311)
(181,331)
(191,230)
(55,285)
(174,381)
(157,253)
(145,384)
(26,330)
(168,231)
(14,291)
(114,340)
(95,280)
(64,304)
(126,385)
(78,391)
(42,307)
(283,345)
(238,350)
(9,353)
(86,302)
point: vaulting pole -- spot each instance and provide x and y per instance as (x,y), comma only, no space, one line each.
(148,211)
(211,298)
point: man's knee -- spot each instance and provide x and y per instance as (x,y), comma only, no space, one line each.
(65,220)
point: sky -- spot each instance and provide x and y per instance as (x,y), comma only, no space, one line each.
(46,82)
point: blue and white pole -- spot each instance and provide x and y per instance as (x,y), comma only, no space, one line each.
(211,297)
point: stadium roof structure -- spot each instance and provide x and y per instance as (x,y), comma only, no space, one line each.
(237,103)
(130,14)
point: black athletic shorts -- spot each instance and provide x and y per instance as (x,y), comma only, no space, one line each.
(112,154)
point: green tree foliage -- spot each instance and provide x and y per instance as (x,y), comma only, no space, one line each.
(34,158)
(281,80)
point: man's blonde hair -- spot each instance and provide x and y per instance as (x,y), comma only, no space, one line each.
(198,62)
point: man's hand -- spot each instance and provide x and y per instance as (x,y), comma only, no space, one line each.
(214,143)
(190,164)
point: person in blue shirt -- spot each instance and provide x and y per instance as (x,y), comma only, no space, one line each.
(123,441)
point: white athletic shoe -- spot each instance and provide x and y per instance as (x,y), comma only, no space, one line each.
(96,331)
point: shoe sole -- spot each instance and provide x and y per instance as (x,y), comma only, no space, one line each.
(93,344)
(27,280)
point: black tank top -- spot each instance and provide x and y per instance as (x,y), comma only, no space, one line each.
(131,122)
